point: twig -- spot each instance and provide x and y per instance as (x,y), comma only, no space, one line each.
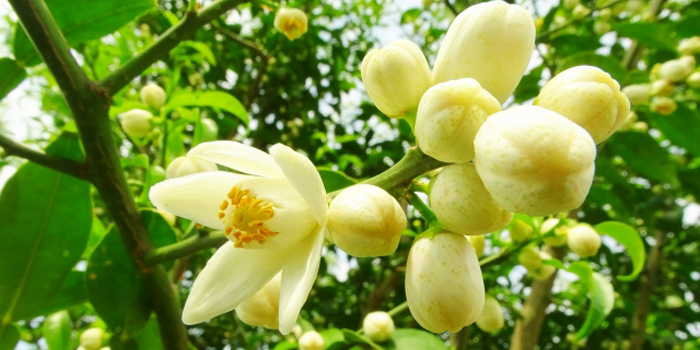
(451,7)
(185,248)
(67,166)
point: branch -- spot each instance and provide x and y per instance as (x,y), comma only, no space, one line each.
(451,7)
(648,282)
(185,248)
(575,21)
(67,166)
(634,54)
(169,40)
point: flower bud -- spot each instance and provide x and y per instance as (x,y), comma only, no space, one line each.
(637,93)
(262,309)
(583,240)
(491,42)
(570,4)
(635,6)
(395,77)
(91,338)
(534,161)
(662,87)
(688,61)
(640,127)
(478,243)
(136,122)
(449,115)
(444,287)
(601,26)
(559,238)
(311,340)
(378,326)
(491,319)
(153,96)
(663,105)
(291,22)
(605,14)
(674,301)
(627,125)
(694,80)
(520,231)
(364,220)
(463,205)
(689,46)
(675,70)
(588,96)
(544,271)
(581,11)
(187,165)
(530,258)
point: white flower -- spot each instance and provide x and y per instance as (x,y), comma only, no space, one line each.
(274,218)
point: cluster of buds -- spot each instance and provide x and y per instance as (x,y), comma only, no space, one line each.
(137,122)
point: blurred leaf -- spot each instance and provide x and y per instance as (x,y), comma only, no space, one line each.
(97,231)
(630,238)
(205,130)
(601,294)
(415,339)
(11,74)
(682,127)
(689,180)
(81,20)
(149,337)
(285,345)
(213,99)
(410,15)
(688,26)
(335,180)
(529,87)
(603,196)
(57,330)
(202,48)
(71,293)
(9,336)
(652,34)
(44,226)
(354,337)
(331,336)
(643,154)
(606,63)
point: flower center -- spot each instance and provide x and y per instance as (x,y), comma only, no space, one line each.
(244,215)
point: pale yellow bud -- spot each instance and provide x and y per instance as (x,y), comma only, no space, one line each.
(640,127)
(688,61)
(583,240)
(187,165)
(635,6)
(559,21)
(694,80)
(136,122)
(675,70)
(549,225)
(689,46)
(674,301)
(491,42)
(637,93)
(378,326)
(444,287)
(559,238)
(463,205)
(311,340)
(364,220)
(262,309)
(91,338)
(544,271)
(520,231)
(449,115)
(534,161)
(530,258)
(395,77)
(662,87)
(605,14)
(631,119)
(491,319)
(153,96)
(601,27)
(570,4)
(663,105)
(478,243)
(588,96)
(293,23)
(581,11)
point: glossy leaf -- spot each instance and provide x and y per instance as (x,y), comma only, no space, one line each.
(600,293)
(82,20)
(643,154)
(57,330)
(11,74)
(630,238)
(335,180)
(416,339)
(71,293)
(212,99)
(9,336)
(45,219)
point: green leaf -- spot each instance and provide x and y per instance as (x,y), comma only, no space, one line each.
(71,293)
(681,127)
(11,74)
(407,338)
(354,337)
(82,20)
(212,99)
(335,180)
(113,283)
(9,336)
(202,48)
(652,34)
(44,226)
(643,154)
(529,85)
(97,232)
(628,237)
(606,63)
(57,330)
(332,336)
(149,337)
(601,294)
(410,15)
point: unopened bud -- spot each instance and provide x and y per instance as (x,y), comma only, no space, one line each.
(491,319)
(449,115)
(311,340)
(478,243)
(601,26)
(635,6)
(262,309)
(605,14)
(583,240)
(444,286)
(662,87)
(136,122)
(91,338)
(378,326)
(581,11)
(153,96)
(570,4)
(637,93)
(663,105)
(694,80)
(520,231)
(674,301)
(544,271)
(187,165)
(689,46)
(364,220)
(395,77)
(463,205)
(640,127)
(675,70)
(293,23)
(530,258)
(559,238)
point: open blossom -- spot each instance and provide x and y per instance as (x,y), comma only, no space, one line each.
(274,216)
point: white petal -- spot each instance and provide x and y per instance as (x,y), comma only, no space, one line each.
(238,156)
(231,276)
(302,174)
(298,276)
(196,197)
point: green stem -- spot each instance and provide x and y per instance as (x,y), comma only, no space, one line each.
(67,166)
(185,247)
(398,309)
(422,208)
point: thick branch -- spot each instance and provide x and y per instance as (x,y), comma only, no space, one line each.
(186,247)
(634,54)
(171,38)
(648,281)
(63,165)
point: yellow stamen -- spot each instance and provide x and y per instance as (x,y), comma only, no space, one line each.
(244,217)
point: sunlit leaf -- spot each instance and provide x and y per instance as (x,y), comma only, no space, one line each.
(11,74)
(57,330)
(628,237)
(600,293)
